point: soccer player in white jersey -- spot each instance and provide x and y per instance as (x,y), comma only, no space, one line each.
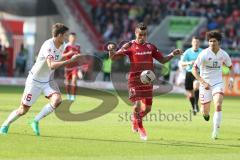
(40,79)
(210,62)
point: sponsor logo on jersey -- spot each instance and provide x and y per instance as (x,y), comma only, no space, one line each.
(144,53)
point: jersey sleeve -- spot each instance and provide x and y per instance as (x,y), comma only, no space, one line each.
(227,60)
(156,53)
(125,50)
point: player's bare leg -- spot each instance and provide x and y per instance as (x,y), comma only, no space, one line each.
(136,116)
(68,88)
(217,117)
(196,94)
(73,87)
(55,101)
(190,95)
(205,108)
(145,109)
(23,109)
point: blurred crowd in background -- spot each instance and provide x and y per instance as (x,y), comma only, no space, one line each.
(115,19)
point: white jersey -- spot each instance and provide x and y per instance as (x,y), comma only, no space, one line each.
(40,71)
(210,65)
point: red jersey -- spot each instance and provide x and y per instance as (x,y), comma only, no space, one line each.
(69,47)
(141,58)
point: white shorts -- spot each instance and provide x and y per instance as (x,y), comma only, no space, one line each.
(206,96)
(33,89)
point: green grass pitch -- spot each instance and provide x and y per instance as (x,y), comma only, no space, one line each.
(110,136)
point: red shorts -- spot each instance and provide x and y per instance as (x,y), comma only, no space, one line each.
(140,91)
(144,95)
(69,73)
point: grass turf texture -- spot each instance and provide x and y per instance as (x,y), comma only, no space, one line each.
(110,136)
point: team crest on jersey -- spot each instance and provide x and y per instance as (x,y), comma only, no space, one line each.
(49,50)
(56,57)
(210,58)
(149,46)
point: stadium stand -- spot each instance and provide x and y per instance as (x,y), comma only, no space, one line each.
(115,19)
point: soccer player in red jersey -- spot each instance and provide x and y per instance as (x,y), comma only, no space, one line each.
(141,55)
(71,70)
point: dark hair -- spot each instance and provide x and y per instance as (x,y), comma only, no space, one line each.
(195,37)
(73,34)
(141,26)
(58,28)
(214,34)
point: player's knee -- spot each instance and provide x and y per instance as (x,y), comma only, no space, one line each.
(218,108)
(195,85)
(56,100)
(148,109)
(190,95)
(204,110)
(22,110)
(137,104)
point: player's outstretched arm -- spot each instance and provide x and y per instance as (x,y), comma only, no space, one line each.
(56,64)
(70,53)
(115,55)
(174,53)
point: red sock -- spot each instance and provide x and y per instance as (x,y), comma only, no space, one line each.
(142,114)
(67,87)
(74,88)
(137,115)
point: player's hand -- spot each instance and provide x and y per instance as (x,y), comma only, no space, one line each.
(75,57)
(177,52)
(206,85)
(111,47)
(230,84)
(71,52)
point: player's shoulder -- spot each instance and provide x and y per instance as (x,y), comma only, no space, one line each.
(77,44)
(48,43)
(223,52)
(205,51)
(187,51)
(128,44)
(200,50)
(150,45)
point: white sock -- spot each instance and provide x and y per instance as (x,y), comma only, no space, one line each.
(47,109)
(217,118)
(11,118)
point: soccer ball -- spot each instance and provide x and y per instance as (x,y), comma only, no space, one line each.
(147,76)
